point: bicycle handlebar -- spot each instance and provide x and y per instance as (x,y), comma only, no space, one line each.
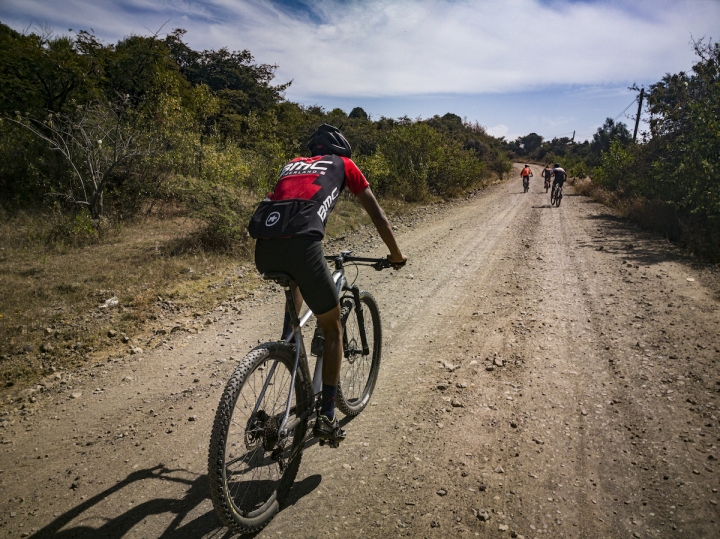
(376,263)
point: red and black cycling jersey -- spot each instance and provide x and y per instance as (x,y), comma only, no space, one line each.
(304,197)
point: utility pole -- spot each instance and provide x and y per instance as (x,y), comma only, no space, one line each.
(573,139)
(637,118)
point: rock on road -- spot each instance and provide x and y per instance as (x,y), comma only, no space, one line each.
(547,372)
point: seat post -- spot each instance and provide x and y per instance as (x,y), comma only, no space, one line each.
(291,309)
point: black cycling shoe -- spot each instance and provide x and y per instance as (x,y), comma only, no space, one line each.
(328,432)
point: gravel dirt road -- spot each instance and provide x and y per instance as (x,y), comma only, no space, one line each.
(547,372)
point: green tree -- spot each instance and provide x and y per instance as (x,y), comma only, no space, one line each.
(609,132)
(526,145)
(243,86)
(358,113)
(40,73)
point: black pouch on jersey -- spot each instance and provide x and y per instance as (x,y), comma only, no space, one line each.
(281,219)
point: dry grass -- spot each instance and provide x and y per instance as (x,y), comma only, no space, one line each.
(50,294)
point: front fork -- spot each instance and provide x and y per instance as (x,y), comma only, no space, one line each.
(361,319)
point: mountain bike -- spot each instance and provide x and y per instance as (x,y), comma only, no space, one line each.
(526,184)
(556,195)
(262,422)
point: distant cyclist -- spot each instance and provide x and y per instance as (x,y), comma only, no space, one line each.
(526,173)
(547,172)
(559,174)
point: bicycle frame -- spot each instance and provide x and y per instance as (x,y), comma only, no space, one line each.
(297,322)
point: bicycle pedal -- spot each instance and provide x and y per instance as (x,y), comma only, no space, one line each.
(329,443)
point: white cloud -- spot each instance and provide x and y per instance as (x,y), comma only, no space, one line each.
(499,130)
(405,47)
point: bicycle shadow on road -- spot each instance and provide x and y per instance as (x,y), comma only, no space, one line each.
(299,490)
(178,509)
(206,525)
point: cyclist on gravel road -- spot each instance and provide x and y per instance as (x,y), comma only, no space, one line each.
(526,173)
(547,172)
(559,174)
(289,226)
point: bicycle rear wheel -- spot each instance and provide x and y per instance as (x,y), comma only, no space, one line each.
(358,372)
(552,196)
(250,468)
(558,198)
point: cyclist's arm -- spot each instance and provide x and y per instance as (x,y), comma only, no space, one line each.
(379,219)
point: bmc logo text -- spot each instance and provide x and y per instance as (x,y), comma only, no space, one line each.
(322,212)
(300,167)
(273,218)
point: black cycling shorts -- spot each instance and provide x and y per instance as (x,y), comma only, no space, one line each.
(304,260)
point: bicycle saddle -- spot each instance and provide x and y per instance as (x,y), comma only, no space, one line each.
(283,279)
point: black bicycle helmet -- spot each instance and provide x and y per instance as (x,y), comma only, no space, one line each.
(329,140)
(556,165)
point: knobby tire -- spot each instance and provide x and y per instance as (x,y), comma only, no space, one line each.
(247,480)
(359,373)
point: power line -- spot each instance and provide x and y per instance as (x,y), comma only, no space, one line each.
(585,137)
(623,111)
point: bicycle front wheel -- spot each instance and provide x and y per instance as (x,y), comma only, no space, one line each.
(250,467)
(359,372)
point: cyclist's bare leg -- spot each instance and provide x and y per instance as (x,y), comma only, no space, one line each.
(332,353)
(326,426)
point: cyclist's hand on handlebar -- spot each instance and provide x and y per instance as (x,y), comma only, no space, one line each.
(397,263)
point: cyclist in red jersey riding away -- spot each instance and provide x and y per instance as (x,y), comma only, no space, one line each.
(289,226)
(526,174)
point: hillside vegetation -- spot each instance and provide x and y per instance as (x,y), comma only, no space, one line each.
(95,131)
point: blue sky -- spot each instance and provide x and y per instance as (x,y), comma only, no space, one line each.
(514,66)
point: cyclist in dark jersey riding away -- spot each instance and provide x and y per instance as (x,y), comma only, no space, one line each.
(289,226)
(547,172)
(559,174)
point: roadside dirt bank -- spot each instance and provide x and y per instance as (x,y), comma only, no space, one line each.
(553,371)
